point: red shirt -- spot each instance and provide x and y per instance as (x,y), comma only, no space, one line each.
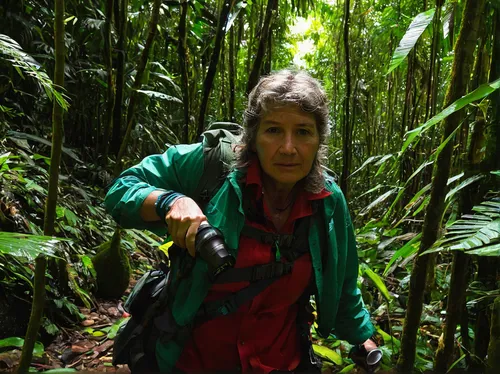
(262,335)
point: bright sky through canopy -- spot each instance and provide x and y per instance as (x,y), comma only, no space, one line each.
(303,45)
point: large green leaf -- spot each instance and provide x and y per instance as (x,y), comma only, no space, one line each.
(407,250)
(475,234)
(19,342)
(328,354)
(24,63)
(28,246)
(379,200)
(379,283)
(479,93)
(415,30)
(160,95)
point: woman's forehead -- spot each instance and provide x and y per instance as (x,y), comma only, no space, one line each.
(288,114)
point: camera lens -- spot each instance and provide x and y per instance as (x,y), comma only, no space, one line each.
(210,245)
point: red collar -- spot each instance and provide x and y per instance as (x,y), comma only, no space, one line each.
(302,206)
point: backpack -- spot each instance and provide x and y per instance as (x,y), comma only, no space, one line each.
(218,148)
(136,340)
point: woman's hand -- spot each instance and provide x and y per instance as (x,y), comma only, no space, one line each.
(183,220)
(370,345)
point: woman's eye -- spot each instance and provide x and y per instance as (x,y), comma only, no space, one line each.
(304,132)
(272,130)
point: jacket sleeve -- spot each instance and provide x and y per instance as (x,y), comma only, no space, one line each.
(178,169)
(353,320)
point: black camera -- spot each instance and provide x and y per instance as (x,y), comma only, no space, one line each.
(209,243)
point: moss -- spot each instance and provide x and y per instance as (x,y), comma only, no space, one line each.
(112,267)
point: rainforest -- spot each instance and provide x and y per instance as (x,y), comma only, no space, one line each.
(88,88)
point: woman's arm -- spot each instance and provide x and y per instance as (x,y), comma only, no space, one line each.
(178,169)
(353,320)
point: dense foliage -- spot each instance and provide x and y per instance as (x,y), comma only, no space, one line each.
(415,120)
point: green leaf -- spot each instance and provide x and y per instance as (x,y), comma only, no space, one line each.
(28,246)
(61,370)
(368,161)
(388,339)
(462,185)
(492,250)
(379,283)
(71,217)
(160,95)
(328,354)
(116,326)
(378,200)
(479,93)
(19,342)
(407,250)
(22,135)
(87,262)
(347,369)
(415,30)
(435,155)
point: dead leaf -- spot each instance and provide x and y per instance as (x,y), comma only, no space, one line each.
(9,359)
(104,346)
(88,322)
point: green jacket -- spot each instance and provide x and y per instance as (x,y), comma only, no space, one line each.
(339,304)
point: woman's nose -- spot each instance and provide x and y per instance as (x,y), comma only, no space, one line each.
(288,144)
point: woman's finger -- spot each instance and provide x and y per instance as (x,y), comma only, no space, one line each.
(191,237)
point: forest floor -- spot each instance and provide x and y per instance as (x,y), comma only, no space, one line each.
(77,347)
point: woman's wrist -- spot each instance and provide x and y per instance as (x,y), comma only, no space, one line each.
(165,201)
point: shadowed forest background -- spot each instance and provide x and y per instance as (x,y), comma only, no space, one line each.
(90,87)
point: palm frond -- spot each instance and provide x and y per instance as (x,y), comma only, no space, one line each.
(28,246)
(477,233)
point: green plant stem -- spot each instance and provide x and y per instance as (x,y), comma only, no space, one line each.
(50,208)
(36,314)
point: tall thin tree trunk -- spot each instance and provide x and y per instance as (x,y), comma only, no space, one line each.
(251,37)
(493,364)
(272,6)
(181,49)
(141,67)
(461,69)
(110,91)
(487,272)
(214,60)
(346,131)
(50,207)
(121,48)
(232,73)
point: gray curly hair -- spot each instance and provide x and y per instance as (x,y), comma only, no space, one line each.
(282,88)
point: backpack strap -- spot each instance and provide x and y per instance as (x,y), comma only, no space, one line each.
(218,142)
(231,304)
(255,273)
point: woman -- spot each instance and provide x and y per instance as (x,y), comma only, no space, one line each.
(277,184)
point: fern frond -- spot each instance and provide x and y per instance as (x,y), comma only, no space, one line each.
(475,234)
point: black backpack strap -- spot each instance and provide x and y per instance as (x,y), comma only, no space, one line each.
(255,273)
(266,237)
(230,304)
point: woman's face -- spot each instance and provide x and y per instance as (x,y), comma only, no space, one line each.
(287,143)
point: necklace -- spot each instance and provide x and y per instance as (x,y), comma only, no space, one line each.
(280,210)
